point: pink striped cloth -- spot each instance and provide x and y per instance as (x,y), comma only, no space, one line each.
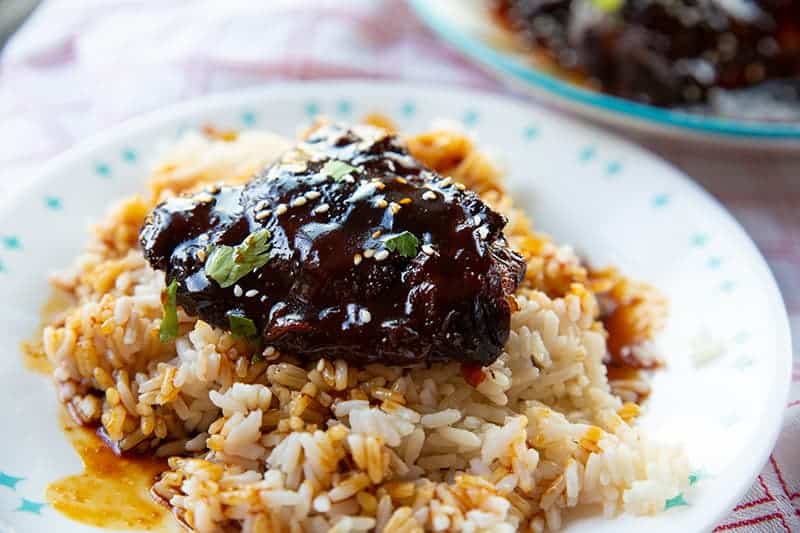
(78,67)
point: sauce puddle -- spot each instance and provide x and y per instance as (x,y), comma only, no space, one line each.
(33,356)
(112,492)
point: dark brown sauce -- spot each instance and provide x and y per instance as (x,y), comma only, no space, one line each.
(112,492)
(620,372)
(624,335)
(332,285)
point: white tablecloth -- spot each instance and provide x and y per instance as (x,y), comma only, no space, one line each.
(78,67)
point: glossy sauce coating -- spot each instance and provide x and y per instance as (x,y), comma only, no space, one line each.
(333,285)
(663,52)
(112,491)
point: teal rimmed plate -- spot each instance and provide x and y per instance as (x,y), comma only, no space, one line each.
(614,202)
(468,26)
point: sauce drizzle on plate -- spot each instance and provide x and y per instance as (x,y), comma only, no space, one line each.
(112,492)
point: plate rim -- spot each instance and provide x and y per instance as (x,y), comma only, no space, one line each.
(209,103)
(600,104)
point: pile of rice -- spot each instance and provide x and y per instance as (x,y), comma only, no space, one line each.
(266,442)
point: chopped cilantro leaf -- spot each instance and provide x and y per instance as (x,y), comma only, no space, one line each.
(406,244)
(228,264)
(337,169)
(241,326)
(169,321)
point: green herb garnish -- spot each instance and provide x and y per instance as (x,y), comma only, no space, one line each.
(169,321)
(241,326)
(337,169)
(406,244)
(228,264)
(608,6)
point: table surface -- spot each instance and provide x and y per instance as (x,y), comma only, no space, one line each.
(79,66)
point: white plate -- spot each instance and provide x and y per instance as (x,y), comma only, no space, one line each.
(468,26)
(613,201)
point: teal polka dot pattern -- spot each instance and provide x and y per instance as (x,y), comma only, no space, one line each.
(11,242)
(312,109)
(470,117)
(53,202)
(727,286)
(530,133)
(586,154)
(344,107)
(698,239)
(613,168)
(714,262)
(103,170)
(696,476)
(677,501)
(408,109)
(249,118)
(9,481)
(660,200)
(129,155)
(30,506)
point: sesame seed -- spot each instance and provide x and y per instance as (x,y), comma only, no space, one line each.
(460,186)
(381,255)
(428,249)
(349,179)
(237,290)
(203,237)
(483,232)
(312,195)
(213,189)
(394,208)
(357,259)
(297,202)
(203,197)
(406,201)
(364,315)
(281,209)
(380,186)
(369,252)
(263,214)
(251,293)
(270,353)
(381,203)
(376,234)
(322,208)
(263,298)
(400,180)
(201,254)
(476,220)
(429,195)
(263,204)
(446,181)
(390,165)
